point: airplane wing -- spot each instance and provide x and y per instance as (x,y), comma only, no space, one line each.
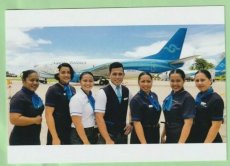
(182,60)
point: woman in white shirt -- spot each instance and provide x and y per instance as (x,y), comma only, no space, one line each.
(82,112)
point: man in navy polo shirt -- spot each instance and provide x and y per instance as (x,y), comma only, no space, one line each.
(111,108)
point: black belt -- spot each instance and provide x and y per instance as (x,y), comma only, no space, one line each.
(88,128)
(172,123)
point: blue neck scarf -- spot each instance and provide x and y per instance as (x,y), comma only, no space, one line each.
(68,91)
(168,101)
(37,101)
(152,100)
(91,100)
(202,95)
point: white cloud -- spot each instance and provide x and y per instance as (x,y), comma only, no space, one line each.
(42,41)
(143,51)
(18,40)
(207,44)
(25,61)
(198,44)
(18,50)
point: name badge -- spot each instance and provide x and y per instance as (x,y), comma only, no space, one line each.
(203,104)
(126,98)
(150,106)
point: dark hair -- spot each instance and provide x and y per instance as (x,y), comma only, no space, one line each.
(177,71)
(205,72)
(26,73)
(64,65)
(115,65)
(84,73)
(144,73)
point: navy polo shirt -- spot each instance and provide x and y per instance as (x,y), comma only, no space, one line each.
(142,110)
(183,107)
(57,98)
(210,109)
(21,103)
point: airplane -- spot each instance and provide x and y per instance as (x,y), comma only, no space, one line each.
(220,69)
(166,59)
(189,75)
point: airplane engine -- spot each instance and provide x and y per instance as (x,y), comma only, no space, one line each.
(76,77)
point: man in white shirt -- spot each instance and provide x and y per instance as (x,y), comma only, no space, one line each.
(111,108)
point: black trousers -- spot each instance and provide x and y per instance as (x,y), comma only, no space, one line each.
(91,133)
(119,138)
(63,134)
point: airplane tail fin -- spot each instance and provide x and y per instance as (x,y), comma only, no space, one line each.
(221,65)
(172,49)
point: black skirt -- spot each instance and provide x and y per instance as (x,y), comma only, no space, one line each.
(151,133)
(199,133)
(25,135)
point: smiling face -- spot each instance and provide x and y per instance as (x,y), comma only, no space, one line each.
(145,83)
(87,83)
(176,82)
(64,75)
(31,82)
(116,75)
(202,82)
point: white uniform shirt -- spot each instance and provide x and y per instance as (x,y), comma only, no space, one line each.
(80,106)
(101,98)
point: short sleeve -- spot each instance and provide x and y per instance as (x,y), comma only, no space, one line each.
(100,101)
(217,110)
(50,99)
(75,106)
(17,105)
(188,110)
(135,110)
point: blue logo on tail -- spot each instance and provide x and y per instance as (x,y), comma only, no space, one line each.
(172,48)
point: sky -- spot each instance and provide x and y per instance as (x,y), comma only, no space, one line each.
(28,47)
(30,42)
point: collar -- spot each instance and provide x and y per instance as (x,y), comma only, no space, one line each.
(27,91)
(178,92)
(62,85)
(113,86)
(83,92)
(210,89)
(141,92)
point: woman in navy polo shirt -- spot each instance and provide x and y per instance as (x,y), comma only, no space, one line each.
(179,110)
(145,112)
(57,107)
(209,111)
(26,109)
(82,106)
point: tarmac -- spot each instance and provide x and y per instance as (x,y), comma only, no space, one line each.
(161,88)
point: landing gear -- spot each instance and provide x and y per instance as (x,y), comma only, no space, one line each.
(44,81)
(103,81)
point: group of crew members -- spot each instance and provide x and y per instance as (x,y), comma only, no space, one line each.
(83,117)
